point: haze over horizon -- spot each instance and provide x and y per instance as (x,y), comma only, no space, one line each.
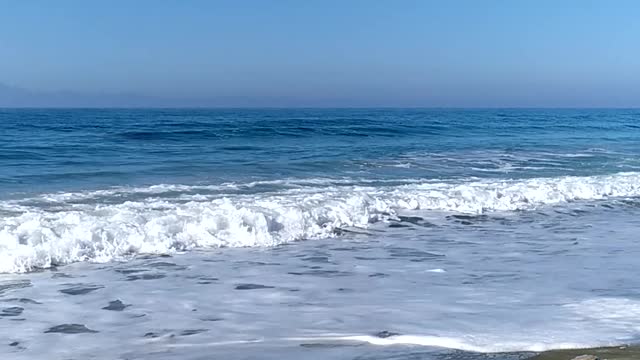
(319,54)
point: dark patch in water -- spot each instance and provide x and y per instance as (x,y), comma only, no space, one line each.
(568,212)
(15,343)
(417,255)
(419,260)
(131,271)
(81,289)
(151,335)
(13,285)
(258,263)
(368,258)
(353,248)
(192,332)
(145,277)
(411,219)
(152,256)
(317,259)
(252,287)
(415,220)
(398,225)
(61,275)
(341,231)
(12,311)
(166,136)
(70,329)
(206,280)
(321,273)
(115,305)
(385,334)
(166,265)
(468,219)
(240,148)
(212,319)
(378,275)
(23,301)
(212,260)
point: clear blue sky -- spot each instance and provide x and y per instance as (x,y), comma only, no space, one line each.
(330,53)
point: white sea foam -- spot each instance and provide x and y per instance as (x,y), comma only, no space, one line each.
(113,226)
(436,270)
(469,343)
(594,322)
(610,312)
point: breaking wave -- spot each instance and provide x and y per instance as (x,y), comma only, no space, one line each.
(115,224)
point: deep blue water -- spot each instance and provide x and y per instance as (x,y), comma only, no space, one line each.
(44,150)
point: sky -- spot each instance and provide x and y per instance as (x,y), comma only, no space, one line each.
(322,53)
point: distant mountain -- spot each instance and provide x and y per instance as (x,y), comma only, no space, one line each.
(11,96)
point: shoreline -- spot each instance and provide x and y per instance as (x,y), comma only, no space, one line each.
(623,352)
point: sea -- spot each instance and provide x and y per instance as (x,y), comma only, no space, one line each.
(317,233)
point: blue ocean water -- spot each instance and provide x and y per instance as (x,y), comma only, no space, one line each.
(322,233)
(56,150)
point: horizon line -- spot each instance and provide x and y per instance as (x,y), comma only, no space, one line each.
(214,107)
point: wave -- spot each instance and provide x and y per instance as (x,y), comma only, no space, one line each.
(106,225)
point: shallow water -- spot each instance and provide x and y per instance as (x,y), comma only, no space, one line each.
(368,234)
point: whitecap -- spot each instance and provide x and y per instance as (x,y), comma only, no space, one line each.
(104,229)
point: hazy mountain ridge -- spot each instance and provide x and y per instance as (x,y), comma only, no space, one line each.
(18,97)
(13,96)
